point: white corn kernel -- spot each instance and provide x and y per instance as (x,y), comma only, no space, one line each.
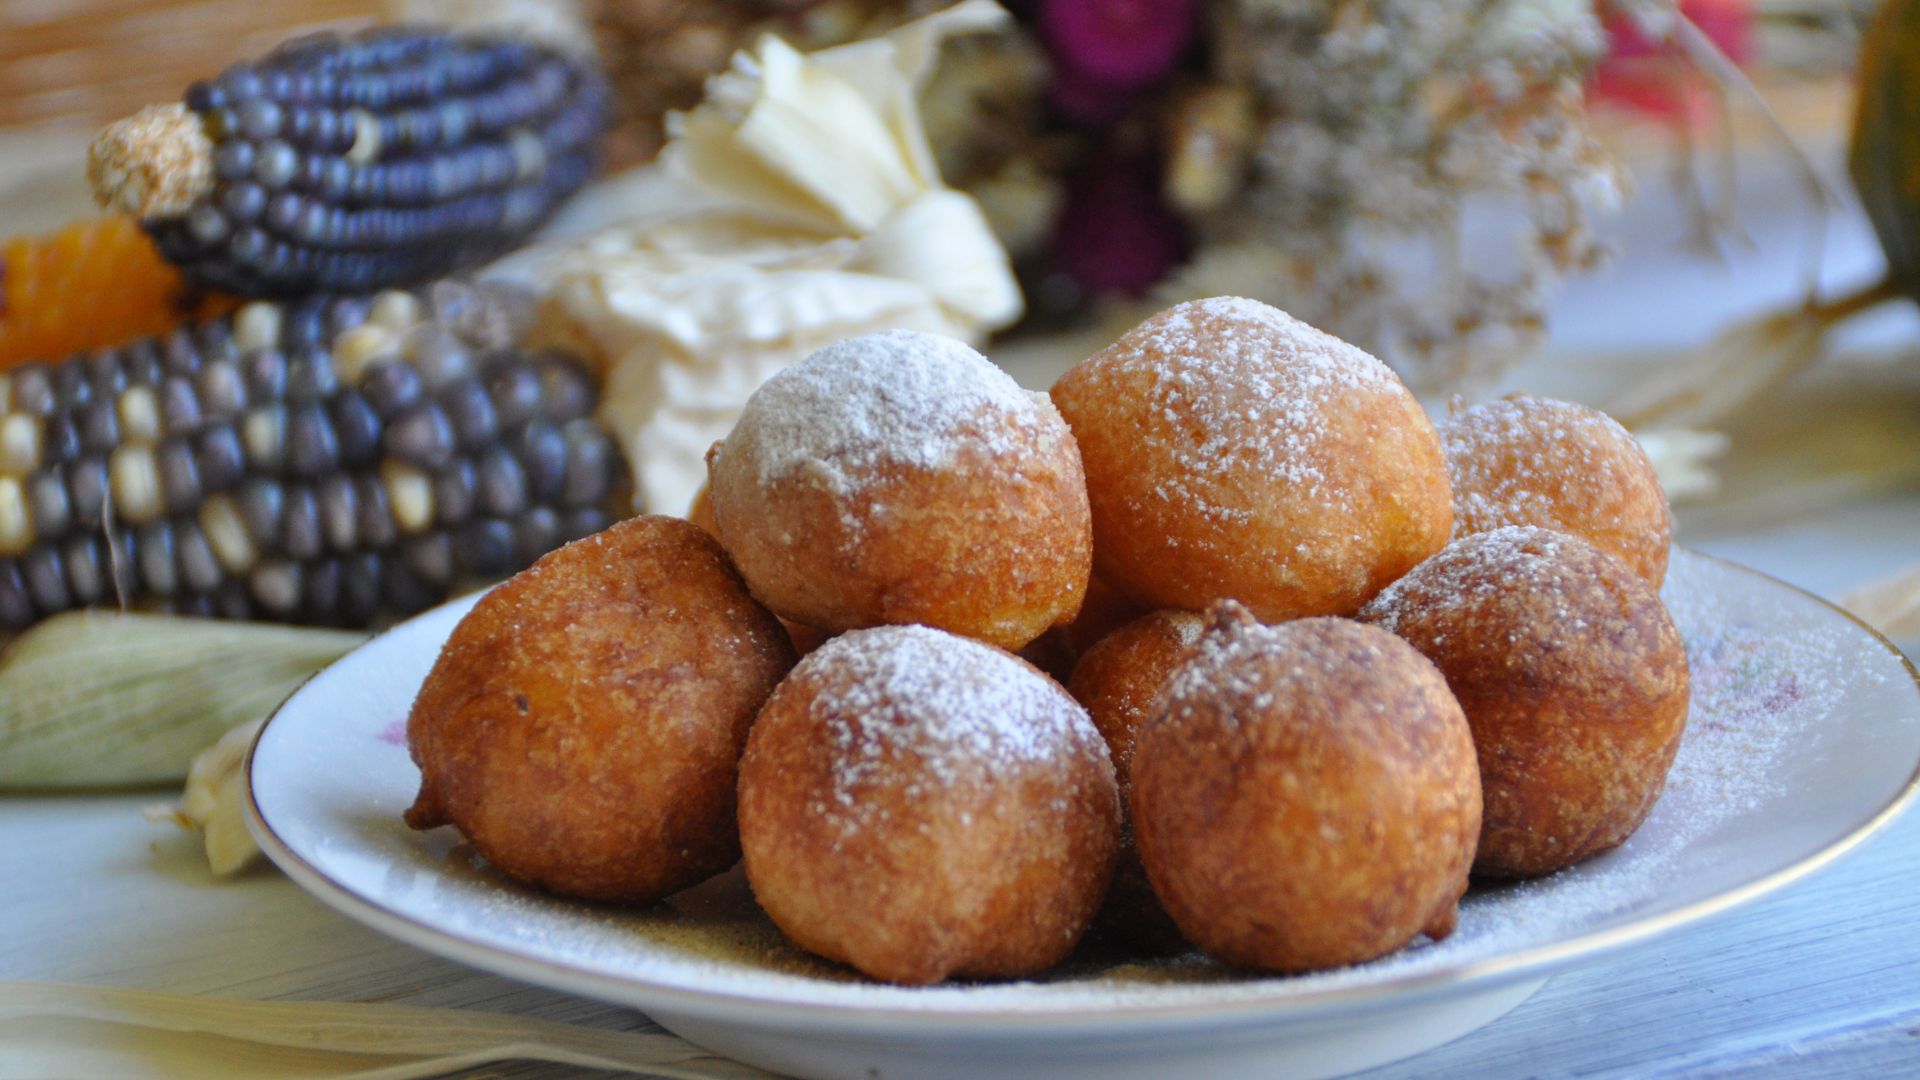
(139,414)
(409,494)
(263,434)
(16,531)
(135,482)
(366,137)
(226,533)
(19,444)
(396,310)
(358,348)
(257,326)
(529,153)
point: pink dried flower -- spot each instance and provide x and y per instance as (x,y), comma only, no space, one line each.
(1121,43)
(1115,234)
(1087,101)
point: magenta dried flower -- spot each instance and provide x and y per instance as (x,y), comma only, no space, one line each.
(1115,234)
(1123,44)
(1087,101)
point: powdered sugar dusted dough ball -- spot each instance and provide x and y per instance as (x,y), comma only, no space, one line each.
(1573,678)
(1305,795)
(900,477)
(920,805)
(1526,460)
(1233,451)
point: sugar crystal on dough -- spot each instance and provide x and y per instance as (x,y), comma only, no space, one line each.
(963,708)
(893,398)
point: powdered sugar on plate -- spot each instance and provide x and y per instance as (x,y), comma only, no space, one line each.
(1803,728)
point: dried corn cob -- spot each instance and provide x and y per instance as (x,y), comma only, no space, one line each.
(323,461)
(353,164)
(90,284)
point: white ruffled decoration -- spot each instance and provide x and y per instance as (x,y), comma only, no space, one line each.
(803,206)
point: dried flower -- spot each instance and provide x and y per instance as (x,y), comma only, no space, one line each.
(1123,44)
(1383,128)
(1115,235)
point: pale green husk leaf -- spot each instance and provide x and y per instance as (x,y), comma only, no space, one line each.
(105,698)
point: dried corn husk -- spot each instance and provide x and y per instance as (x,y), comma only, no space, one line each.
(1716,381)
(804,205)
(102,698)
(1838,435)
(1683,460)
(60,1029)
(1891,604)
(559,23)
(215,802)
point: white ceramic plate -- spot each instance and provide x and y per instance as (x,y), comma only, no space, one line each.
(1803,739)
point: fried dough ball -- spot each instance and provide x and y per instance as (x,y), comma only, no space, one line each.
(1105,610)
(1233,451)
(1058,651)
(1526,460)
(1119,678)
(1052,654)
(1305,795)
(900,477)
(1573,679)
(919,805)
(1118,682)
(805,638)
(583,724)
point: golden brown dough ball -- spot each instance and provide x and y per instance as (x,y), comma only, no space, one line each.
(900,477)
(583,724)
(919,805)
(1305,796)
(805,638)
(1526,460)
(1105,610)
(1572,676)
(1058,651)
(1119,678)
(1233,451)
(1118,681)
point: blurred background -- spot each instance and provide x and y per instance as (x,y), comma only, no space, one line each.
(1654,206)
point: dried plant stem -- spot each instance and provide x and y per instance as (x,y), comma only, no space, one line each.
(1703,387)
(1831,313)
(1891,603)
(1699,49)
(1724,218)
